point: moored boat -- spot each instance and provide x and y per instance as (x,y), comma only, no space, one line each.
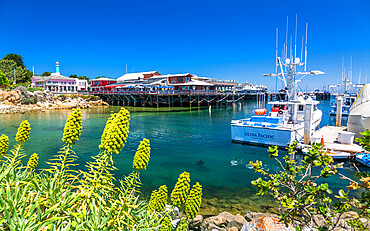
(363,158)
(285,122)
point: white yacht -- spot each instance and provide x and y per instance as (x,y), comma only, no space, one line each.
(285,122)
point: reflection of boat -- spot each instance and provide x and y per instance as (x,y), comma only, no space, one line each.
(336,155)
(359,115)
(285,121)
(348,100)
(363,158)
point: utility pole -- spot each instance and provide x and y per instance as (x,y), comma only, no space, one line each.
(15,78)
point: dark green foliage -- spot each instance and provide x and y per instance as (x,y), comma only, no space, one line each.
(46,73)
(16,58)
(78,77)
(33,89)
(15,62)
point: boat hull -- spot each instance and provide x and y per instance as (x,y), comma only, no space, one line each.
(264,136)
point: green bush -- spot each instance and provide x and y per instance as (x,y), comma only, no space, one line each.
(33,89)
(300,195)
(62,198)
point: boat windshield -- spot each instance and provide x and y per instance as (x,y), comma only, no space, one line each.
(280,106)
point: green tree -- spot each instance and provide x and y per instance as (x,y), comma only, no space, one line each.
(3,79)
(8,66)
(16,58)
(78,77)
(46,73)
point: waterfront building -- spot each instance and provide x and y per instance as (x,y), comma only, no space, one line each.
(81,84)
(55,83)
(137,77)
(101,84)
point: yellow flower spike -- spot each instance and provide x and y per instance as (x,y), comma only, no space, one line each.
(4,144)
(24,130)
(152,201)
(193,201)
(142,155)
(73,127)
(158,199)
(115,132)
(33,161)
(181,190)
(166,224)
(183,225)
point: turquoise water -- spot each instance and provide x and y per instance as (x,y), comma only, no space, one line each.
(182,139)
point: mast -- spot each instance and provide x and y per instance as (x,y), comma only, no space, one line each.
(295,38)
(305,50)
(276,59)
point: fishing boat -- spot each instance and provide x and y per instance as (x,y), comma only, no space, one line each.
(285,122)
(348,100)
(363,158)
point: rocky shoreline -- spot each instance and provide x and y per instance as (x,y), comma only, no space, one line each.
(255,222)
(22,101)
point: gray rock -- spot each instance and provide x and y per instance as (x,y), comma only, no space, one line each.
(228,216)
(172,211)
(196,222)
(238,222)
(175,222)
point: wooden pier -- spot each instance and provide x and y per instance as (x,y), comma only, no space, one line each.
(330,135)
(175,98)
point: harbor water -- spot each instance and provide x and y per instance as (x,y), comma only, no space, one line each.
(196,140)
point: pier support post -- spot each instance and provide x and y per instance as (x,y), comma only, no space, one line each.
(338,119)
(308,111)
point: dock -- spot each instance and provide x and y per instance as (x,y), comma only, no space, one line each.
(175,98)
(330,135)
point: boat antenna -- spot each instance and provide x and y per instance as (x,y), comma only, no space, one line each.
(342,69)
(302,50)
(286,37)
(305,50)
(350,70)
(359,77)
(126,68)
(276,52)
(295,38)
(276,59)
(366,77)
(290,49)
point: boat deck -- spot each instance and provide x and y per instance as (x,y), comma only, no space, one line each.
(330,134)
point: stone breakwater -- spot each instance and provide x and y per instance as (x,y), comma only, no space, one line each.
(22,101)
(255,221)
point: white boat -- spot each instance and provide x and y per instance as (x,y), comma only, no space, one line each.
(363,158)
(285,122)
(276,128)
(348,100)
(359,115)
(336,155)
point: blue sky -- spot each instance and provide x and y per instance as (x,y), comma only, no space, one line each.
(221,39)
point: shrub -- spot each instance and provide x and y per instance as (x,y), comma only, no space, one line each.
(62,198)
(301,197)
(33,89)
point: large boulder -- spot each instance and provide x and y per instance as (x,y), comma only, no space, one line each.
(10,97)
